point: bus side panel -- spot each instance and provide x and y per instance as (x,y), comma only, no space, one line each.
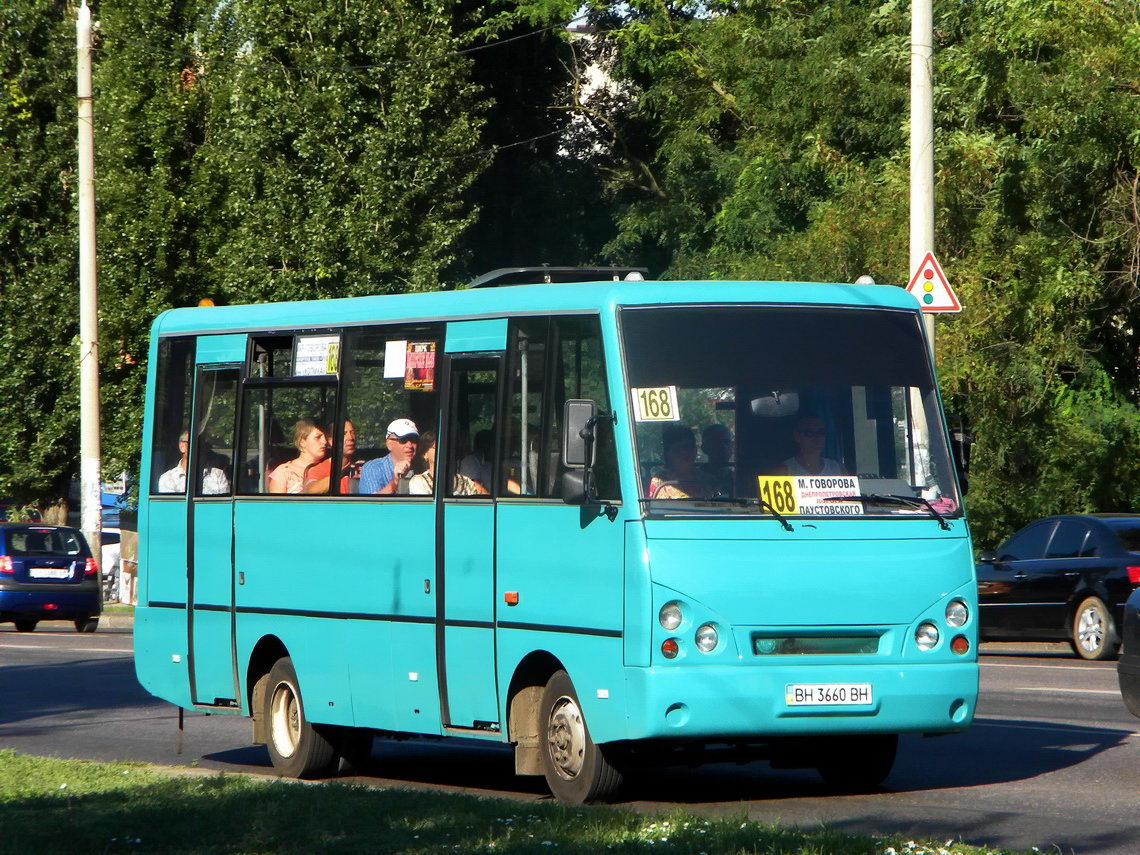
(160,639)
(344,580)
(565,563)
(161,659)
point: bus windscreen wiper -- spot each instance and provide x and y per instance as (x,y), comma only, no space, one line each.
(909,501)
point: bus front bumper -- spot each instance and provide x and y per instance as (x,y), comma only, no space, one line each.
(735,702)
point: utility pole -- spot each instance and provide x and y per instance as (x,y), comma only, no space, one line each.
(89,450)
(922,141)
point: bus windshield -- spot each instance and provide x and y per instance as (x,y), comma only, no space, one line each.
(750,409)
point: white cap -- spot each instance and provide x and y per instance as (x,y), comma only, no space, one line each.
(402,428)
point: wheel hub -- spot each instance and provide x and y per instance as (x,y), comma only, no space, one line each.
(566,738)
(1090,630)
(285,720)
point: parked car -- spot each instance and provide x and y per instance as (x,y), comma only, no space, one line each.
(1062,578)
(1128,668)
(47,573)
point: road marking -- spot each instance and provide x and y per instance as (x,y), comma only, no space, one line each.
(1074,691)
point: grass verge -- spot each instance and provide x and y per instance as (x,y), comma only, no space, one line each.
(53,806)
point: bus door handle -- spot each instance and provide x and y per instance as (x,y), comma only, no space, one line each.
(427,586)
(241,578)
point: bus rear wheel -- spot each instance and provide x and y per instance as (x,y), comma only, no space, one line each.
(858,763)
(297,747)
(576,768)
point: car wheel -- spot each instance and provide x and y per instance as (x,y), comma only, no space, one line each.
(858,763)
(297,748)
(1094,632)
(26,625)
(87,624)
(577,770)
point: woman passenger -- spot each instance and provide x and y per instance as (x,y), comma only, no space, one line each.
(294,475)
(423,484)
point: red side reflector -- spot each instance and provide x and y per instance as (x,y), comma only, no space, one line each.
(6,565)
(960,644)
(92,568)
(1133,575)
(511,598)
(670,648)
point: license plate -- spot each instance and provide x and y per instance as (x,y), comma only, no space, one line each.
(827,694)
(50,572)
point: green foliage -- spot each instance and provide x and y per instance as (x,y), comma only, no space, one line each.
(777,134)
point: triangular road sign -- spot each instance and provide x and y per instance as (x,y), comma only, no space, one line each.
(930,288)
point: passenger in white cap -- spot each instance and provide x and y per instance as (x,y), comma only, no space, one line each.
(390,474)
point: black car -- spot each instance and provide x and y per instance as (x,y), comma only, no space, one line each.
(1062,578)
(47,572)
(1128,668)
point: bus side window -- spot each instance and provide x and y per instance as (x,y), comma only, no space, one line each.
(579,371)
(388,375)
(522,472)
(174,389)
(280,422)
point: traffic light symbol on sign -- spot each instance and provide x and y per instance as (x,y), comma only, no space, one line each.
(930,288)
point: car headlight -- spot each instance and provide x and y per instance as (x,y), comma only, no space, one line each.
(706,638)
(956,613)
(670,616)
(926,636)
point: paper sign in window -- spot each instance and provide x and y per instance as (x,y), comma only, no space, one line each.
(810,495)
(656,404)
(316,355)
(395,358)
(419,366)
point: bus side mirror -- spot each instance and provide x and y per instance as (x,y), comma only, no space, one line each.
(576,486)
(578,418)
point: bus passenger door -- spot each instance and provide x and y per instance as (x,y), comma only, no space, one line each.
(210,580)
(465,574)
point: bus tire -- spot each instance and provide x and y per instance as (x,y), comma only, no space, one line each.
(1094,631)
(297,747)
(858,763)
(576,768)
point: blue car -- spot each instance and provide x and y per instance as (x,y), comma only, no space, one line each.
(47,572)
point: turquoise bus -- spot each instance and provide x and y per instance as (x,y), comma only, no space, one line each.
(670,519)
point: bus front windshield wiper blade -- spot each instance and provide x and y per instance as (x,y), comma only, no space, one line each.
(695,504)
(892,499)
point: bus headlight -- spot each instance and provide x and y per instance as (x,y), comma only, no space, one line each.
(670,616)
(706,638)
(926,636)
(956,613)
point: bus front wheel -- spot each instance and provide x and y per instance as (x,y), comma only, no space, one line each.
(858,763)
(298,748)
(576,768)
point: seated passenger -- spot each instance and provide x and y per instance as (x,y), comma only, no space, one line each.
(390,474)
(173,480)
(716,443)
(478,464)
(680,479)
(423,483)
(810,436)
(349,469)
(295,476)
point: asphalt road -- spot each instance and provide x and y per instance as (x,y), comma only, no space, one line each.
(1053,759)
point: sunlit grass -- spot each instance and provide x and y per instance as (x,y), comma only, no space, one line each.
(68,806)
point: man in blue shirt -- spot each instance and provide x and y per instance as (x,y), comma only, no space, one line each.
(386,475)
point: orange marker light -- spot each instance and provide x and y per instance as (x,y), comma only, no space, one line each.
(511,598)
(670,648)
(960,644)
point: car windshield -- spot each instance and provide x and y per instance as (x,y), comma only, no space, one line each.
(786,409)
(1127,532)
(43,541)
